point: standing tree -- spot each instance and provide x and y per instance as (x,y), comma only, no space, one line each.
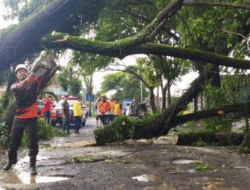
(126,85)
(69,80)
(88,80)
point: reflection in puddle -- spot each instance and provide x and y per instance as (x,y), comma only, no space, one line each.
(208,182)
(22,175)
(182,161)
(148,178)
(27,179)
(160,187)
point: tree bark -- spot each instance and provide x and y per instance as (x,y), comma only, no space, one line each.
(28,33)
(157,99)
(164,93)
(161,124)
(169,93)
(90,113)
(63,41)
(210,138)
(152,99)
(215,4)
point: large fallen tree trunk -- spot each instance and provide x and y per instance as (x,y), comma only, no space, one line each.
(28,34)
(123,129)
(158,125)
(209,138)
(9,115)
(161,124)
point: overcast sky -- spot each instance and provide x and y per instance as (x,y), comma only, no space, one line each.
(98,76)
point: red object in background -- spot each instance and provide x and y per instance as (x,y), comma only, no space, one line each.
(42,111)
(56,112)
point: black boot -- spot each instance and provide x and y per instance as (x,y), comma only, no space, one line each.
(33,165)
(12,160)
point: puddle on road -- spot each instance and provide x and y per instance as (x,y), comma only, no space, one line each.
(208,182)
(160,187)
(27,179)
(148,178)
(21,175)
(182,161)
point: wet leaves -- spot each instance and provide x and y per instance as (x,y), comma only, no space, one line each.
(86,159)
(202,167)
(239,167)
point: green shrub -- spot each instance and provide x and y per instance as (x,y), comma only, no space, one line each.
(46,131)
(4,136)
(123,127)
(200,143)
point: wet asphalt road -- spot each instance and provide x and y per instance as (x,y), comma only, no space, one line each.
(131,165)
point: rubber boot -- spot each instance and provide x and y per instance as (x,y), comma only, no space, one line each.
(33,165)
(12,160)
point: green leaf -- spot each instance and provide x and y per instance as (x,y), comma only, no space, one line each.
(202,167)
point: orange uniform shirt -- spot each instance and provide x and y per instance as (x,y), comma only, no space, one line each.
(26,99)
(102,107)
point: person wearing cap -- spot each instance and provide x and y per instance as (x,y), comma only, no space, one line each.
(25,92)
(103,107)
(65,114)
(77,111)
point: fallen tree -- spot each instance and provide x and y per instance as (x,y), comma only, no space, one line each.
(155,126)
(49,18)
(203,138)
(45,21)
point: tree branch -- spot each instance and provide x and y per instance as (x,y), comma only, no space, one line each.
(148,21)
(235,33)
(222,111)
(232,5)
(63,41)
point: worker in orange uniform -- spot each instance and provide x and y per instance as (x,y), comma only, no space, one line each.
(103,107)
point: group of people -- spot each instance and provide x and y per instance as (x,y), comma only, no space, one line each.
(26,93)
(79,115)
(106,110)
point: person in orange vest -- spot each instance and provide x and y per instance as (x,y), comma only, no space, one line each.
(103,107)
(25,92)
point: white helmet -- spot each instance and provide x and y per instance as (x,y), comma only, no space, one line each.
(21,66)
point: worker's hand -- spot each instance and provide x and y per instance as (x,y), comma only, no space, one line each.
(29,78)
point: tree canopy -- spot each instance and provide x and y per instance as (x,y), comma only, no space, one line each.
(207,36)
(125,85)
